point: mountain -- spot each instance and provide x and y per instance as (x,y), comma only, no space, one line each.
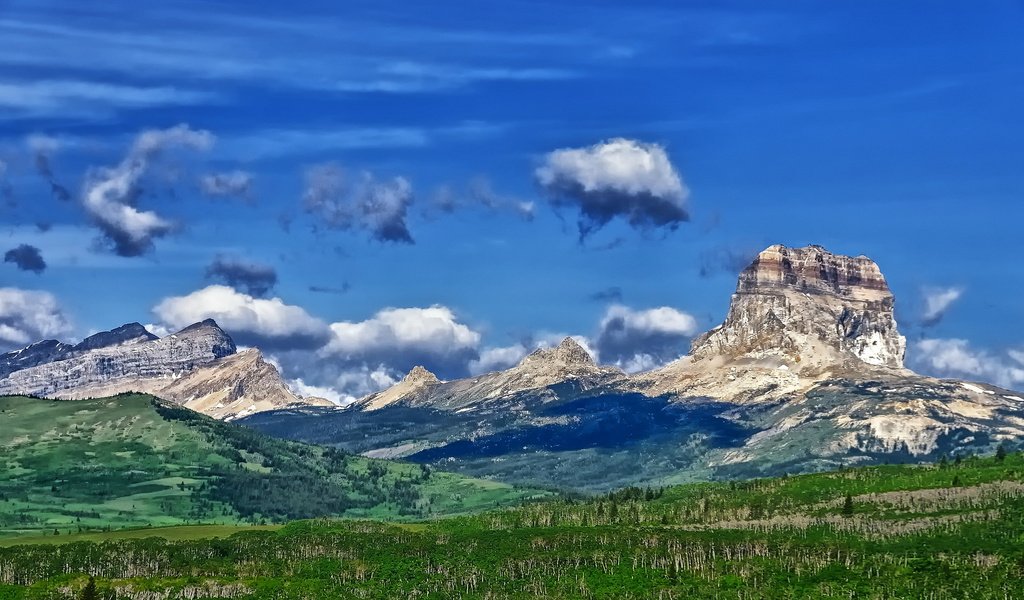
(51,350)
(806,373)
(133,460)
(198,367)
(566,364)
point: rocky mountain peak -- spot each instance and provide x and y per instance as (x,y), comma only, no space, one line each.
(808,304)
(209,335)
(813,270)
(420,376)
(129,333)
(568,352)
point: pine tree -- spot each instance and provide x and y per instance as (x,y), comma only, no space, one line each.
(89,591)
(848,506)
(1001,453)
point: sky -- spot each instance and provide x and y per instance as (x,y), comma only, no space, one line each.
(359,187)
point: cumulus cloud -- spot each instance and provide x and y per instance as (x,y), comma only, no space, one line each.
(266,323)
(230,184)
(299,387)
(362,357)
(256,279)
(937,302)
(111,194)
(158,329)
(956,358)
(405,337)
(498,358)
(26,258)
(378,207)
(636,340)
(27,316)
(621,178)
(42,148)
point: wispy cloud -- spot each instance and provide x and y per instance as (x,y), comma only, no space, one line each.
(50,97)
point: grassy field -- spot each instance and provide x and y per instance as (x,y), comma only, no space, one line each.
(943,531)
(172,533)
(130,461)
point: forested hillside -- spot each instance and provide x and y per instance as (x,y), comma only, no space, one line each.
(135,461)
(949,530)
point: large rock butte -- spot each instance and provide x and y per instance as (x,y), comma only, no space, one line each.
(801,302)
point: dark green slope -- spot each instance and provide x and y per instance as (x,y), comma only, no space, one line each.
(133,460)
(947,531)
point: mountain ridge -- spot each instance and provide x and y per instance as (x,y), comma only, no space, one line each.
(198,367)
(805,373)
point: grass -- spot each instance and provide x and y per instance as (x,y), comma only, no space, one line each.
(172,533)
(912,534)
(130,461)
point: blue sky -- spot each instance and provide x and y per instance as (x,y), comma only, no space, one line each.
(888,129)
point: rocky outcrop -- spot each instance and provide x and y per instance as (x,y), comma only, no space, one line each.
(48,351)
(169,357)
(416,383)
(198,367)
(807,303)
(568,363)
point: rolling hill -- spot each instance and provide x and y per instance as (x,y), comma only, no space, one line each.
(133,460)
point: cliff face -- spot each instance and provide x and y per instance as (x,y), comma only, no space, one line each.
(198,367)
(172,356)
(798,302)
(48,351)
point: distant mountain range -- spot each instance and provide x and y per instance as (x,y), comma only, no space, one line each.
(198,367)
(806,373)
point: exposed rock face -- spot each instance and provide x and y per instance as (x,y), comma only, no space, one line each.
(50,350)
(198,367)
(30,356)
(132,333)
(568,363)
(173,356)
(797,302)
(413,385)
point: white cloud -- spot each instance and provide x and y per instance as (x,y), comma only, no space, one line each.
(956,358)
(301,388)
(618,178)
(937,301)
(498,359)
(637,340)
(110,193)
(433,331)
(42,97)
(266,323)
(27,316)
(158,330)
